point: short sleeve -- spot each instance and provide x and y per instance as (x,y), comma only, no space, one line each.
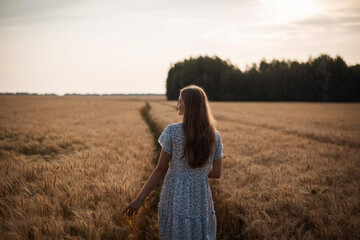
(165,140)
(218,147)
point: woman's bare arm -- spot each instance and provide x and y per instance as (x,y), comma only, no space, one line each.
(215,170)
(152,181)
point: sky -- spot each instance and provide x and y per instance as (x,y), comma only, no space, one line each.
(128,46)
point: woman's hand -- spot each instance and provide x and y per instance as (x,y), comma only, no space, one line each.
(133,207)
(153,180)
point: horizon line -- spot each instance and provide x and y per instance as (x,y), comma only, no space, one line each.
(82,94)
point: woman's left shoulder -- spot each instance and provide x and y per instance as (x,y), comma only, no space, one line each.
(217,133)
(218,137)
(174,128)
(177,126)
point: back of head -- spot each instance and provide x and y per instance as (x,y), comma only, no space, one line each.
(199,127)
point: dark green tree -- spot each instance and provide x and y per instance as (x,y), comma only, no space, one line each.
(320,79)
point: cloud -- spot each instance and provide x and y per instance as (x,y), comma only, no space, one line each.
(328,21)
(20,12)
(341,18)
(17,8)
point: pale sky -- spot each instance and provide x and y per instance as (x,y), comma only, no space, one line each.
(128,46)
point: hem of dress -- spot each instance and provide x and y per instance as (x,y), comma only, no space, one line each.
(212,214)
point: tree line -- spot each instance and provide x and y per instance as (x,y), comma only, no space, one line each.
(322,79)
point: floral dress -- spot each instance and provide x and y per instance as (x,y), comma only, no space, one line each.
(186,209)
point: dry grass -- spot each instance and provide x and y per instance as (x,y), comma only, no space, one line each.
(291,170)
(68,166)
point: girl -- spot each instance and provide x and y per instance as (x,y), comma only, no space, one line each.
(194,149)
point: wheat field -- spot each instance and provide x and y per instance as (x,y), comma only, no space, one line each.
(68,166)
(290,170)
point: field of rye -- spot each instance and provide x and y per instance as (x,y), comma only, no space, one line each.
(68,166)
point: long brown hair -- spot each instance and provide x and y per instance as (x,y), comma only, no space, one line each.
(199,126)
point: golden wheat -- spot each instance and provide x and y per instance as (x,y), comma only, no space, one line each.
(291,170)
(68,166)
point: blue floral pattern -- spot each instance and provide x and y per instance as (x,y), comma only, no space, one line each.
(186,209)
